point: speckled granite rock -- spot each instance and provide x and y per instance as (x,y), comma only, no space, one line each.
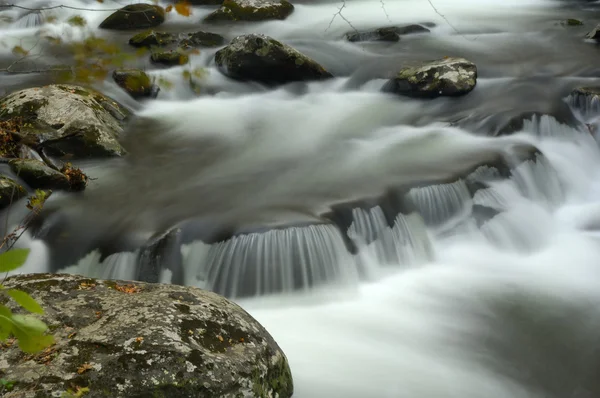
(444,77)
(124,339)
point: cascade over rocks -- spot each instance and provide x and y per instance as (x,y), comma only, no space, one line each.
(135,16)
(251,10)
(67,121)
(122,339)
(443,77)
(390,33)
(264,59)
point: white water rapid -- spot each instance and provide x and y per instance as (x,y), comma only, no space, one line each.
(424,297)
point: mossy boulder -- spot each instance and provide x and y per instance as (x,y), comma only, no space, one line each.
(251,10)
(10,191)
(169,58)
(153,38)
(135,16)
(66,121)
(390,33)
(38,175)
(135,81)
(263,59)
(443,77)
(572,22)
(124,339)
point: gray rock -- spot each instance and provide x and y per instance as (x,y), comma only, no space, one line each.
(66,120)
(202,39)
(144,340)
(153,38)
(38,175)
(251,10)
(169,58)
(391,33)
(264,59)
(10,192)
(443,77)
(594,34)
(135,16)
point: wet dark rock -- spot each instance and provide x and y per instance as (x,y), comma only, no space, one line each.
(251,10)
(162,251)
(67,121)
(169,58)
(594,34)
(124,339)
(444,77)
(153,38)
(264,59)
(391,33)
(135,16)
(38,175)
(135,81)
(202,39)
(10,191)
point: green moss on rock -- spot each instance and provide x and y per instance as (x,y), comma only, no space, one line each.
(10,191)
(135,81)
(251,10)
(153,39)
(38,175)
(135,16)
(169,58)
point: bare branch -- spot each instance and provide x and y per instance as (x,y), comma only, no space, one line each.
(341,16)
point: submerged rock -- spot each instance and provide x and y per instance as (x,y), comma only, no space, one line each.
(153,38)
(264,59)
(444,77)
(391,33)
(123,339)
(202,39)
(169,58)
(135,81)
(10,191)
(38,175)
(251,10)
(67,121)
(135,16)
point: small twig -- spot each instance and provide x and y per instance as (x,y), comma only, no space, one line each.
(341,16)
(385,11)
(447,21)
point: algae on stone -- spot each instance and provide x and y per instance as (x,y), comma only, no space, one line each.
(251,10)
(136,339)
(135,81)
(38,175)
(264,59)
(135,16)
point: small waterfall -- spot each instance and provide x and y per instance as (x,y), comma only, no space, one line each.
(279,260)
(438,204)
(30,20)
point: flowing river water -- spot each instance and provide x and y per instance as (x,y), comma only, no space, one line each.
(413,290)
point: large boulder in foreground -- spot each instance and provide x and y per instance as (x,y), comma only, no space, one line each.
(444,77)
(251,10)
(263,59)
(135,16)
(67,121)
(122,339)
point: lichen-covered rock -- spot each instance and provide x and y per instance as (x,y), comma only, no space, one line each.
(135,81)
(140,340)
(169,58)
(10,191)
(251,10)
(264,59)
(153,38)
(202,39)
(391,33)
(38,175)
(67,121)
(135,16)
(444,77)
(594,34)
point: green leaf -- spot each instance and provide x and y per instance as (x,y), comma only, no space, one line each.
(29,333)
(13,259)
(25,301)
(6,325)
